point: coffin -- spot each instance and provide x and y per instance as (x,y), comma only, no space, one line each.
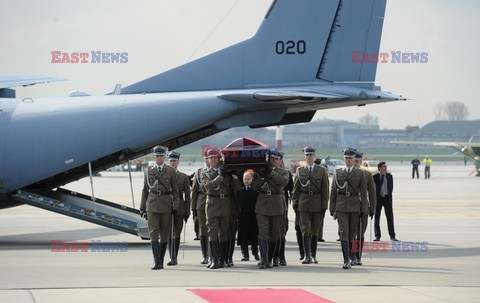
(245,153)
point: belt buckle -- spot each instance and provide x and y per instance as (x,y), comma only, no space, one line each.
(222,196)
(347,194)
(310,193)
(269,192)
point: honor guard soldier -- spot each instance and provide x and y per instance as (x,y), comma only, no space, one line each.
(310,199)
(270,207)
(183,213)
(220,187)
(159,203)
(199,199)
(348,192)
(368,208)
(279,258)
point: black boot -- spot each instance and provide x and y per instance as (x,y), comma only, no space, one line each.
(263,254)
(300,242)
(271,251)
(177,248)
(307,243)
(171,251)
(156,255)
(359,254)
(314,249)
(276,254)
(163,250)
(230,253)
(245,255)
(214,254)
(283,261)
(226,261)
(196,227)
(204,246)
(255,252)
(353,255)
(346,255)
(222,254)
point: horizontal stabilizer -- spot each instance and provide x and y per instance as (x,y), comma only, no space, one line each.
(283,95)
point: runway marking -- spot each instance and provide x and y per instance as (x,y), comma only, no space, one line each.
(265,295)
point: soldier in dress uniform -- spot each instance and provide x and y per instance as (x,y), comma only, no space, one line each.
(220,187)
(183,184)
(270,207)
(199,199)
(279,255)
(349,191)
(310,199)
(318,161)
(368,208)
(159,203)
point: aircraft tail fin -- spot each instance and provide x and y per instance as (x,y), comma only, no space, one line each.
(357,29)
(299,41)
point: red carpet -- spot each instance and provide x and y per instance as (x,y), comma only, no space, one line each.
(266,295)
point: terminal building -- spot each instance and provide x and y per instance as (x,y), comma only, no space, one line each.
(339,133)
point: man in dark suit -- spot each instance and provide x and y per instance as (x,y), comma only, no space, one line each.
(384,185)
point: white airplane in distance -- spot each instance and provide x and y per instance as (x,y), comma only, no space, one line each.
(469,149)
(298,62)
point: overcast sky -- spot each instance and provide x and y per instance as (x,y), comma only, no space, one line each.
(159,35)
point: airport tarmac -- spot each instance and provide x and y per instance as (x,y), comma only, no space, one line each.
(443,211)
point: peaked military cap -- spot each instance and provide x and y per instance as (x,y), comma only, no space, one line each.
(275,153)
(349,152)
(359,155)
(159,150)
(308,150)
(173,156)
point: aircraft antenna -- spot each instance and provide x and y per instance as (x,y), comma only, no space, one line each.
(213,30)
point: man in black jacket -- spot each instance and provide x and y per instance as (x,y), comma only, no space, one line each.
(384,185)
(415,164)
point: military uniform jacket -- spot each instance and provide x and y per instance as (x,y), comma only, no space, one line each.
(349,191)
(160,190)
(310,191)
(220,191)
(199,193)
(183,193)
(372,194)
(271,198)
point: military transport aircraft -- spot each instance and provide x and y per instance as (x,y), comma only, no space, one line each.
(298,62)
(469,149)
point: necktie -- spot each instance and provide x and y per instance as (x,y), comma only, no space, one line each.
(310,169)
(381,181)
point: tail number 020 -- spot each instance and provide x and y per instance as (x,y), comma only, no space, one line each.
(291,47)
